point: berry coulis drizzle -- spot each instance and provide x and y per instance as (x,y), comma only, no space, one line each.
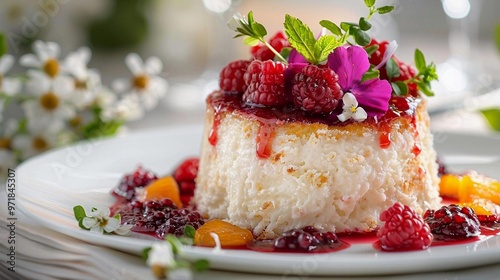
(222,103)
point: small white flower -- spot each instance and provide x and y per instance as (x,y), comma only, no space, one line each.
(45,58)
(9,86)
(161,254)
(7,132)
(126,109)
(146,83)
(50,109)
(7,160)
(99,221)
(86,81)
(351,109)
(36,142)
(235,21)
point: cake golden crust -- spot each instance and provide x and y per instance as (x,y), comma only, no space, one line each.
(333,177)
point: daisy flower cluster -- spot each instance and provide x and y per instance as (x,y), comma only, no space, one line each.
(62,100)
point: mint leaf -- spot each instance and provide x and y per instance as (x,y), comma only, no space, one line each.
(371,49)
(175,243)
(425,88)
(420,60)
(392,68)
(3,44)
(347,25)
(369,3)
(189,231)
(201,265)
(301,38)
(332,27)
(370,74)
(145,253)
(79,213)
(364,24)
(385,9)
(324,46)
(399,88)
(258,29)
(251,41)
(492,116)
(360,36)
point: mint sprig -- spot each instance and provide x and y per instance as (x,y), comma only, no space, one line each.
(426,73)
(253,30)
(302,39)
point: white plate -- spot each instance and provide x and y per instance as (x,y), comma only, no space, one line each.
(50,185)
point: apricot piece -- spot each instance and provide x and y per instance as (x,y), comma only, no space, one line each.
(449,185)
(476,186)
(229,234)
(165,187)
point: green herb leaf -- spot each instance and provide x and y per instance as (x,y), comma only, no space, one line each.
(3,44)
(430,73)
(420,60)
(370,74)
(425,88)
(385,9)
(324,46)
(285,52)
(176,244)
(186,240)
(258,29)
(492,116)
(301,38)
(332,27)
(189,231)
(251,41)
(201,265)
(364,24)
(145,253)
(369,3)
(399,88)
(79,213)
(347,25)
(362,38)
(392,68)
(497,36)
(371,49)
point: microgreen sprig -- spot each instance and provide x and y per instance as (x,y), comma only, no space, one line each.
(254,31)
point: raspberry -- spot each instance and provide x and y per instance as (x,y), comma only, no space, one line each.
(266,83)
(403,229)
(316,89)
(130,182)
(304,239)
(185,175)
(453,222)
(278,42)
(231,76)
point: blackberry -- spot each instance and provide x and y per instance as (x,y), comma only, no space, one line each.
(453,222)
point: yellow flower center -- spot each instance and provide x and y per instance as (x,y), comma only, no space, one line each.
(39,144)
(354,109)
(49,101)
(51,67)
(80,84)
(5,143)
(76,121)
(140,82)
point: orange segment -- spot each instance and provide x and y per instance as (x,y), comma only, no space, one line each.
(482,207)
(165,187)
(229,234)
(449,185)
(477,186)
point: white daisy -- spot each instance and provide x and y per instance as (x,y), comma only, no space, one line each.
(45,58)
(34,143)
(146,82)
(50,108)
(86,81)
(351,109)
(125,109)
(99,221)
(9,86)
(7,133)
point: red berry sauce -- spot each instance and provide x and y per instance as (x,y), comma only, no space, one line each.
(270,116)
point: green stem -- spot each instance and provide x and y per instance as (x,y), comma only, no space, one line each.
(280,57)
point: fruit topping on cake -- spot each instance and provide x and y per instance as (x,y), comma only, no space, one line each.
(229,235)
(131,182)
(403,229)
(304,240)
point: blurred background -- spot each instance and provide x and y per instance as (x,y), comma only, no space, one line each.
(192,40)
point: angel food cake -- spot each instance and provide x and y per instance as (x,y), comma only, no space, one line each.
(328,138)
